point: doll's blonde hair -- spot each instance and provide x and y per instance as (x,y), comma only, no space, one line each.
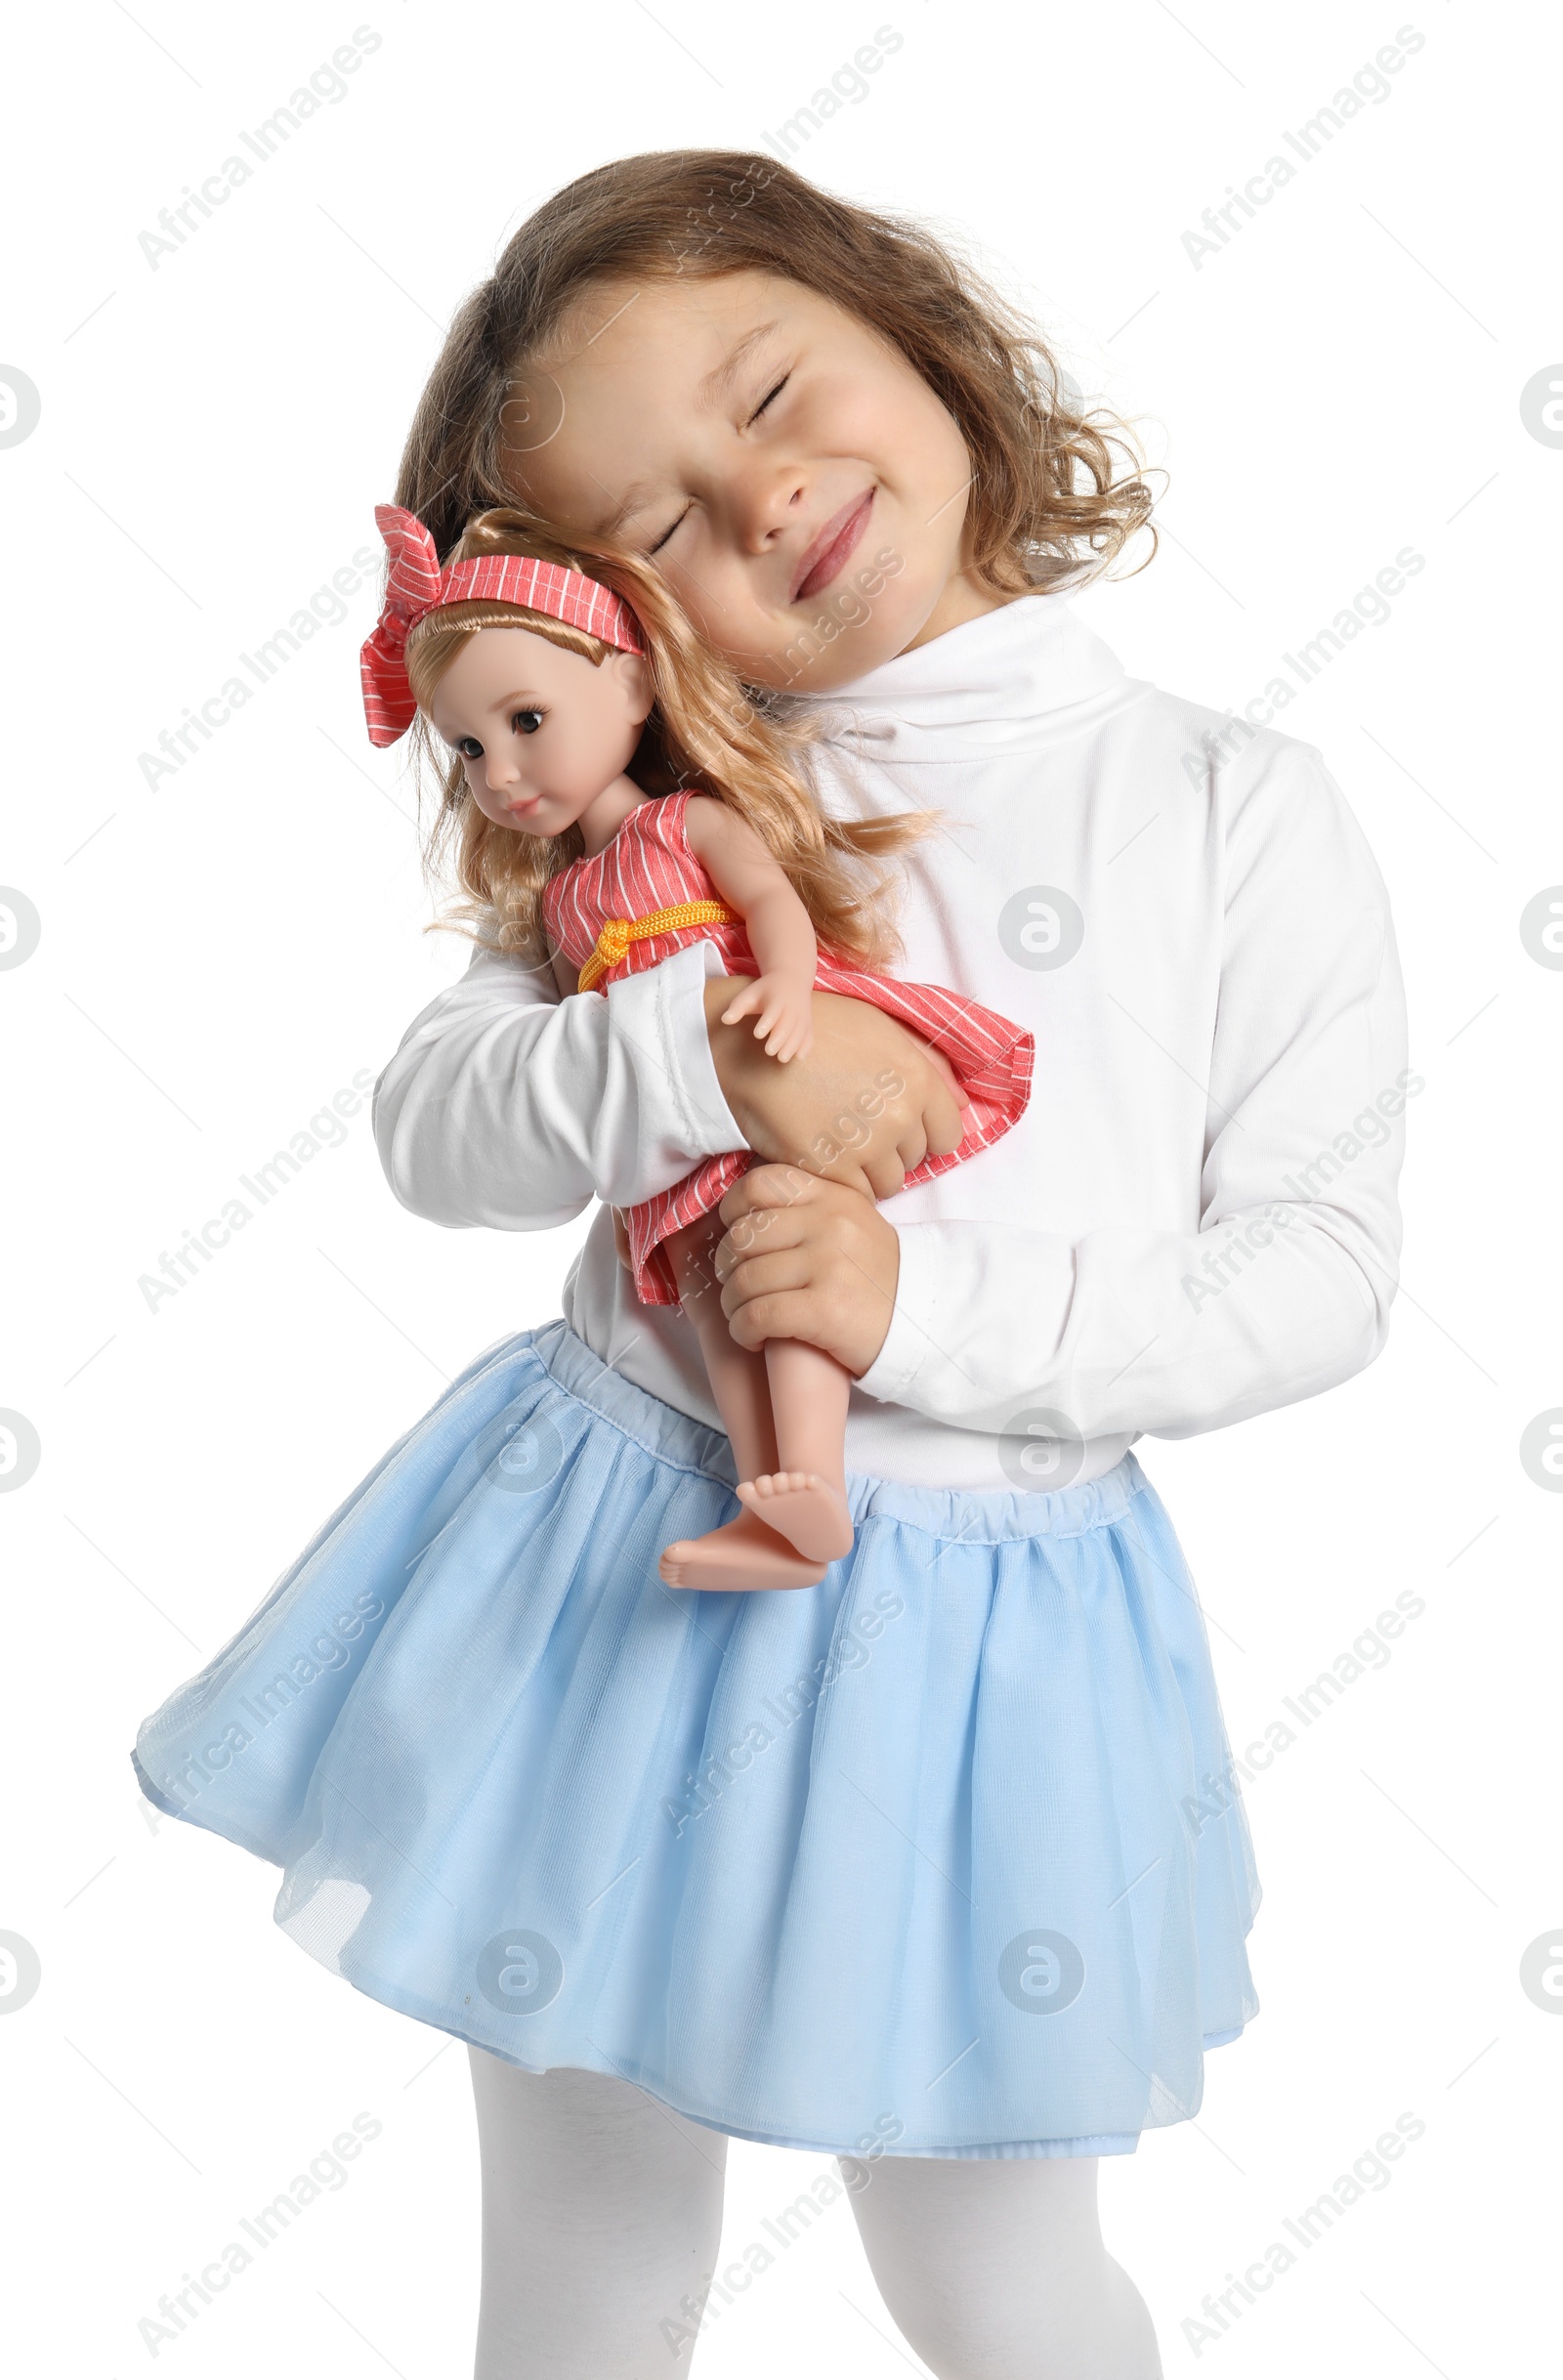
(705,736)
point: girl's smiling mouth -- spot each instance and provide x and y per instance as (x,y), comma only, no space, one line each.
(833,548)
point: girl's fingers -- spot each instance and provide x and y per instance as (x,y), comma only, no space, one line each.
(942,1125)
(763,1276)
(913,1146)
(764,1189)
(884,1171)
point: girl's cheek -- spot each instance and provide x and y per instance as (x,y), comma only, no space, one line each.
(847,414)
(885,415)
(713,586)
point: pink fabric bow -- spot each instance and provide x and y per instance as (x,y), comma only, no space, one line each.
(416,585)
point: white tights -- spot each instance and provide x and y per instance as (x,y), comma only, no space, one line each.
(601,2211)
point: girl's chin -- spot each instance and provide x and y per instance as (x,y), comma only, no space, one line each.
(844,649)
(850,655)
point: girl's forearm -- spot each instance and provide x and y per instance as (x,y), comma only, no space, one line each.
(507,1108)
(995,1320)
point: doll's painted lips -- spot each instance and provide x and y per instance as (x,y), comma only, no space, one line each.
(833,548)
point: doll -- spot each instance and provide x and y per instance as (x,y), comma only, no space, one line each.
(542,681)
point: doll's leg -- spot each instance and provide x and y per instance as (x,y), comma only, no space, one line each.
(602,2217)
(745,1552)
(993,2269)
(805,1497)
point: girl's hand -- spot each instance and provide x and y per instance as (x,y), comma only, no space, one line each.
(786,1014)
(806,1258)
(869,1103)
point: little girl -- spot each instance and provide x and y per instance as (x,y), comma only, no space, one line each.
(940,1866)
(505,654)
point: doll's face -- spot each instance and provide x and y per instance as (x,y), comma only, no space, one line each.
(540,731)
(802,488)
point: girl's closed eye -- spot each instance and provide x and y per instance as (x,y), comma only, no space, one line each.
(768,399)
(668,531)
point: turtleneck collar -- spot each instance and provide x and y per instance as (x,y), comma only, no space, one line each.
(996,682)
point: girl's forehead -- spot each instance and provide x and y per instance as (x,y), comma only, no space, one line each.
(602,413)
(671,315)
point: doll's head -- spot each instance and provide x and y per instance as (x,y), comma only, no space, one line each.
(815,418)
(540,722)
(541,675)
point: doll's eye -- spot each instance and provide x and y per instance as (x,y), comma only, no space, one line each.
(466,747)
(525,722)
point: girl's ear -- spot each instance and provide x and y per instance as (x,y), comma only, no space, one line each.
(635,681)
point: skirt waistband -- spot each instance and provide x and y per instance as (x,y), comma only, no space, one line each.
(974,1518)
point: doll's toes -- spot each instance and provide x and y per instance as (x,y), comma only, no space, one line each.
(807,1511)
(744,1555)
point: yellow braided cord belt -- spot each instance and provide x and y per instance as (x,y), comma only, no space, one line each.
(619,932)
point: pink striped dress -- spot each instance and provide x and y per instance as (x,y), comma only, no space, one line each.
(649,866)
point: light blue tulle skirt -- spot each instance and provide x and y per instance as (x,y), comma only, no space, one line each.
(924,1860)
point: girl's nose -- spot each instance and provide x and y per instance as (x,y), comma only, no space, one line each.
(767,501)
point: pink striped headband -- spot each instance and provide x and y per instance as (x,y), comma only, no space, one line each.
(417,586)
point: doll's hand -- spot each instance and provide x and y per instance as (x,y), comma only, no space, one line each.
(784,1003)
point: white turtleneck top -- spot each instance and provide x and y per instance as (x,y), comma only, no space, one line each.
(1196,1218)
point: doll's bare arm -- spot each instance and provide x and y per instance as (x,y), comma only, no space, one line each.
(566,976)
(780,935)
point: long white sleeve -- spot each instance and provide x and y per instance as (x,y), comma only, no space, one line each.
(1283,1288)
(1194,1219)
(510,1107)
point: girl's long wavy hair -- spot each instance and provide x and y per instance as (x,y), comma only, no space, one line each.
(1057,490)
(703,735)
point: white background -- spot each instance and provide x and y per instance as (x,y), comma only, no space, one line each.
(221,951)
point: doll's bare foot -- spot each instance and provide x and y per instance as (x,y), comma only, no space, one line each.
(807,1510)
(744,1554)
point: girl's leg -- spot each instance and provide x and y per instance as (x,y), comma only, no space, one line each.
(745,1552)
(602,2212)
(993,2269)
(805,1497)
